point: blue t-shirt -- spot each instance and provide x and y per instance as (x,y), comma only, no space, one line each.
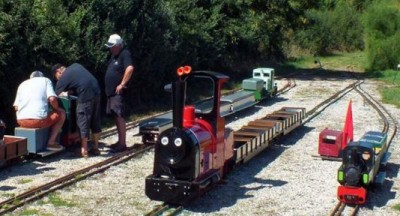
(79,80)
(115,71)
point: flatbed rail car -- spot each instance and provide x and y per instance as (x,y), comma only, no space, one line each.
(259,88)
(259,134)
(198,151)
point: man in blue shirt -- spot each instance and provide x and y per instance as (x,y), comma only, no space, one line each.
(84,85)
(119,72)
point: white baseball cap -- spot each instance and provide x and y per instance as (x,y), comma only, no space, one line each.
(113,40)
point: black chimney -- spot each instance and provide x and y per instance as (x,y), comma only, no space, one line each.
(178,103)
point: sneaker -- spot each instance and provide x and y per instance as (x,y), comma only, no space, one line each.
(119,148)
(94,152)
(55,147)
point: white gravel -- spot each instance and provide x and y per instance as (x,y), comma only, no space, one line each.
(283,180)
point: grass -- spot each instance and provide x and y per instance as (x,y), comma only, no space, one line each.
(390,90)
(30,212)
(339,61)
(356,61)
(56,200)
(8,195)
(397,207)
(24,181)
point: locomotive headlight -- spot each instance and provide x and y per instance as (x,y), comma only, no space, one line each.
(164,140)
(178,142)
(365,178)
(340,175)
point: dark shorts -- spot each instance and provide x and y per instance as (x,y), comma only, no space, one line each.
(116,106)
(88,117)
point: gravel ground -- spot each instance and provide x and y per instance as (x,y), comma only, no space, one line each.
(283,180)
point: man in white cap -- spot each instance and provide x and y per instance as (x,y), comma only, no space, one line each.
(31,105)
(119,72)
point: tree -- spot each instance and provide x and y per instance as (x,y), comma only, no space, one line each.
(382,36)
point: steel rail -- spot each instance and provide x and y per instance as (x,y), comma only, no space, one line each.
(165,210)
(392,119)
(326,103)
(385,115)
(38,192)
(291,83)
(340,207)
(19,200)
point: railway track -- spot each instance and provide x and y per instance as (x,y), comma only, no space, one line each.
(165,210)
(389,126)
(340,207)
(326,103)
(290,83)
(61,182)
(36,193)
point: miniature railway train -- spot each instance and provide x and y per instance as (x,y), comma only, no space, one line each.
(258,88)
(363,167)
(198,150)
(33,141)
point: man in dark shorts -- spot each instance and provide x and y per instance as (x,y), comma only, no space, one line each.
(83,84)
(119,71)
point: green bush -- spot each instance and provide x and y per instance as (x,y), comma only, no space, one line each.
(382,26)
(330,30)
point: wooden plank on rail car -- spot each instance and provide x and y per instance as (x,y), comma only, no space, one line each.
(240,149)
(292,116)
(269,131)
(251,142)
(260,134)
(300,110)
(262,123)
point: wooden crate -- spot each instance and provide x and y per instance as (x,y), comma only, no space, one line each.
(15,146)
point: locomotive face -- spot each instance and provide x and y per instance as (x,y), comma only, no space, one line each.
(352,175)
(356,164)
(172,146)
(176,155)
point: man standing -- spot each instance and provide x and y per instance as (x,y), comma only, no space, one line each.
(119,71)
(31,105)
(84,85)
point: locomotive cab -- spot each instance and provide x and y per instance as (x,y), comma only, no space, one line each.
(267,75)
(358,160)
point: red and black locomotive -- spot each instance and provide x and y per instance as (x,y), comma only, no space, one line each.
(193,154)
(198,151)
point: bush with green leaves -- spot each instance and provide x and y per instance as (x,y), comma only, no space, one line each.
(382,26)
(329,30)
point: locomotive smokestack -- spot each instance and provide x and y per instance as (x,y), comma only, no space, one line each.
(178,97)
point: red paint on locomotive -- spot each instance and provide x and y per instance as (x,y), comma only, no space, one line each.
(352,195)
